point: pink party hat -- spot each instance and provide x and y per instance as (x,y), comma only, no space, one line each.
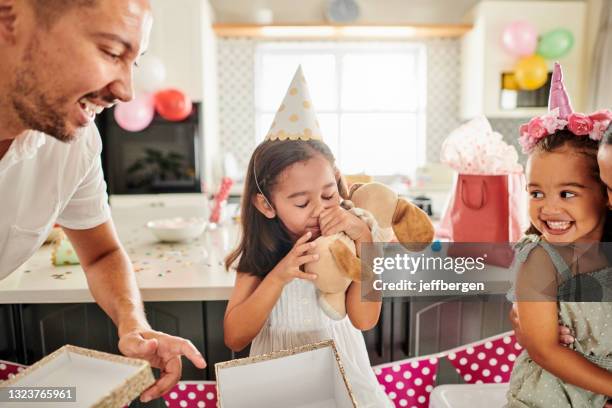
(558,97)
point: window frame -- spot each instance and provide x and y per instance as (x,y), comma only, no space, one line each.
(339,50)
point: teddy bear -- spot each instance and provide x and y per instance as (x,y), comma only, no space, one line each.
(382,209)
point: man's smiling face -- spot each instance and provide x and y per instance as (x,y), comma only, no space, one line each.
(80,63)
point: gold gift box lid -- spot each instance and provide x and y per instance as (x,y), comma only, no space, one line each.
(102,380)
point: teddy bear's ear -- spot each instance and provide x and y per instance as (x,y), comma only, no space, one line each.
(347,262)
(412,226)
(353,188)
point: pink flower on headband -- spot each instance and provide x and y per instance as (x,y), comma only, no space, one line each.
(579,124)
(601,115)
(599,128)
(526,142)
(536,128)
(593,125)
(539,127)
(601,120)
(532,132)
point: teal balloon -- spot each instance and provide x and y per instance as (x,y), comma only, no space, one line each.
(555,43)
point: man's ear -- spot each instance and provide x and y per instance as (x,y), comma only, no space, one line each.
(260,202)
(8,17)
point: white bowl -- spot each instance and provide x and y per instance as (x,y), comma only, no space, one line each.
(177,229)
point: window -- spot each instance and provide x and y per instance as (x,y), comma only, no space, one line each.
(369,97)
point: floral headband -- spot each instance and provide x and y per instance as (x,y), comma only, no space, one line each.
(562,116)
(593,126)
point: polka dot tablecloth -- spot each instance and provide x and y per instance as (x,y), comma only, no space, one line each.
(8,369)
(192,394)
(408,383)
(487,361)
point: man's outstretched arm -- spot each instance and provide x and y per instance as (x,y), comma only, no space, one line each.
(113,285)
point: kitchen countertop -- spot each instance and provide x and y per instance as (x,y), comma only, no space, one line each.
(191,271)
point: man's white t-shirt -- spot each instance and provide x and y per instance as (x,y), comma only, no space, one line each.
(44,181)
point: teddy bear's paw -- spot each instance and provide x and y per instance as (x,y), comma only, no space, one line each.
(412,227)
(347,261)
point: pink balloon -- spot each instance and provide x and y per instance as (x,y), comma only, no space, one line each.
(136,114)
(520,38)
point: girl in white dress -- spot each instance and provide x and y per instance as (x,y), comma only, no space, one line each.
(292,195)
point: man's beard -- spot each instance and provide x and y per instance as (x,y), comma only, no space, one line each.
(35,109)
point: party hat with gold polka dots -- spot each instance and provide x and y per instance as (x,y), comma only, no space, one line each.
(295,118)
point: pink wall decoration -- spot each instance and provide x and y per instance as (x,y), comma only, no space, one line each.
(486,361)
(9,369)
(192,394)
(409,382)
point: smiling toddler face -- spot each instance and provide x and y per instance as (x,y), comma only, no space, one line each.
(566,201)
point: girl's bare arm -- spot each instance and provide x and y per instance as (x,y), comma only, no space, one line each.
(254,298)
(251,302)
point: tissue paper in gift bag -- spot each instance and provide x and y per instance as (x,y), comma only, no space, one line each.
(487,204)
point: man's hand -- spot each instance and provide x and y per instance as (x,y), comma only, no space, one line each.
(161,351)
(565,334)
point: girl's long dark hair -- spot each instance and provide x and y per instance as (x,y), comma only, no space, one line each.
(587,147)
(264,242)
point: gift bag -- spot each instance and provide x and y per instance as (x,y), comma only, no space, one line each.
(482,214)
(480,211)
(486,205)
(517,216)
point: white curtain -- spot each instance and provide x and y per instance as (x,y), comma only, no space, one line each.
(600,89)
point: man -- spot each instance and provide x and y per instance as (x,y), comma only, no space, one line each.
(61,63)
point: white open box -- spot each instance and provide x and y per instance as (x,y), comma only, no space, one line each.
(310,376)
(101,379)
(469,396)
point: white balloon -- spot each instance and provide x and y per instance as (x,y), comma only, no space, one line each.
(150,74)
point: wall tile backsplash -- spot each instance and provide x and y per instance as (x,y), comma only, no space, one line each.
(236,59)
(236,69)
(443,90)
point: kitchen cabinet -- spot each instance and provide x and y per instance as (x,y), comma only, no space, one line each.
(439,325)
(47,327)
(401,332)
(483,60)
(415,327)
(9,338)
